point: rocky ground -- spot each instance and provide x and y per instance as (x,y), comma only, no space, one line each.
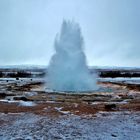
(29,111)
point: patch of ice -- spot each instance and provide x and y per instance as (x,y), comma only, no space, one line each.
(8,101)
(30,93)
(51,102)
(65,112)
(21,103)
(58,108)
(28,103)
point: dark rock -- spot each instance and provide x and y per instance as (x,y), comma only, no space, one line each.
(2,95)
(113,135)
(17,78)
(22,98)
(110,106)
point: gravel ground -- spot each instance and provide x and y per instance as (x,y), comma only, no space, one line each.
(104,126)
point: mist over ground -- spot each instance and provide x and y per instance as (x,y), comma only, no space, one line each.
(110,30)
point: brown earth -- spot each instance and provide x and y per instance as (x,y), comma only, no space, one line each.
(124,99)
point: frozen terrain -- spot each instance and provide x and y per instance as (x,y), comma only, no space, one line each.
(29,111)
(103,126)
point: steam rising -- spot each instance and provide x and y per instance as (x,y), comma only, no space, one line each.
(67,70)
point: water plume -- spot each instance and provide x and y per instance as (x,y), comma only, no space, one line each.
(67,70)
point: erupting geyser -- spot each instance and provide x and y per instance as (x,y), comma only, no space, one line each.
(67,70)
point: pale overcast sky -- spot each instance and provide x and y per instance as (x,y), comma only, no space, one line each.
(111,30)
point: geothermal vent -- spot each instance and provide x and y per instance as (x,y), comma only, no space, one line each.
(67,70)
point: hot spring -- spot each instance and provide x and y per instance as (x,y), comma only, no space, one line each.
(67,70)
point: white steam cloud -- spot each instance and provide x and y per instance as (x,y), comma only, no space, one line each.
(67,70)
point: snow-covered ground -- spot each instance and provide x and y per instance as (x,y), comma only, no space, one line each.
(104,126)
(121,79)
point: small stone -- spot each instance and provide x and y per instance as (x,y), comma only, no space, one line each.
(113,135)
